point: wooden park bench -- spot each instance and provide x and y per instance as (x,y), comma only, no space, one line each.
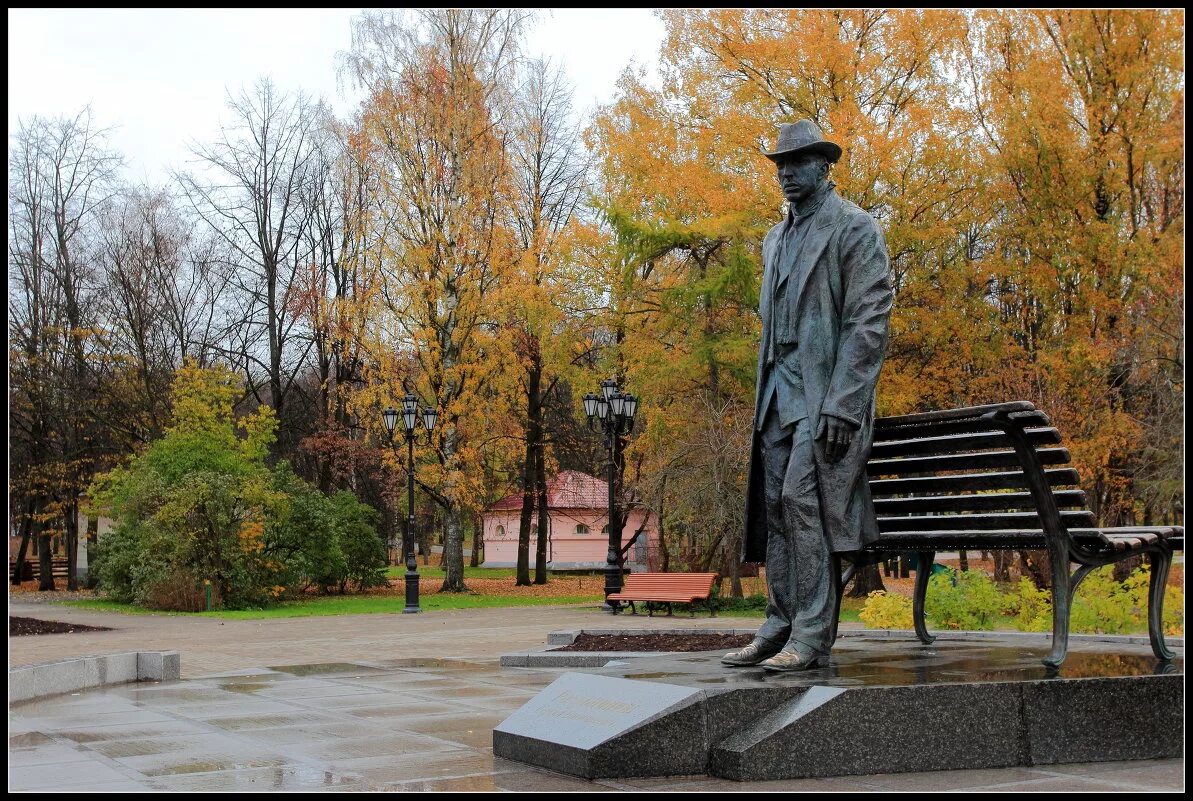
(32,569)
(667,588)
(991,477)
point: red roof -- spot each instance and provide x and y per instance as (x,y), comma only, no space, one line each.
(570,489)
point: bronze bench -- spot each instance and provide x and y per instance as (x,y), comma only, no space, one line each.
(992,477)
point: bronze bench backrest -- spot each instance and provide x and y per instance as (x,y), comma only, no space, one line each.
(937,473)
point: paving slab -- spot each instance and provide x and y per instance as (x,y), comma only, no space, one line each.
(256,692)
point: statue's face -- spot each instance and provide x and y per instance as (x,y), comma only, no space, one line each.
(801,176)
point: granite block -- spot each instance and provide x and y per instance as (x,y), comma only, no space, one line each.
(20,685)
(58,677)
(149,665)
(71,675)
(1105,719)
(834,731)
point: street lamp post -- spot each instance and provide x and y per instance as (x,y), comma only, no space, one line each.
(614,412)
(409,416)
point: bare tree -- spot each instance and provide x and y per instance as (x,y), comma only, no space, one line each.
(251,194)
(156,303)
(549,168)
(63,174)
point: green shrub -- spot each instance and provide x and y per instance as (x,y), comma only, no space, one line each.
(1101,605)
(884,610)
(968,600)
(363,550)
(201,504)
(748,603)
(1032,607)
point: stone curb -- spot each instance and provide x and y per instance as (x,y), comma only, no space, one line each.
(572,658)
(550,658)
(30,682)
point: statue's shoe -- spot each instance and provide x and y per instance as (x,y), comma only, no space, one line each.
(752,654)
(785,661)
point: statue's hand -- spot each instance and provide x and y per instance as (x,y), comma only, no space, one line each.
(837,434)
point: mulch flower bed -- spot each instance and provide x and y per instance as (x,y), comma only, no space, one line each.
(20,626)
(657,642)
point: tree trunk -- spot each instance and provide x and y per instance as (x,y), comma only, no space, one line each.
(528,476)
(1002,565)
(72,545)
(664,556)
(453,531)
(866,580)
(540,557)
(45,560)
(1123,569)
(453,551)
(1037,566)
(478,532)
(26,531)
(732,566)
(427,536)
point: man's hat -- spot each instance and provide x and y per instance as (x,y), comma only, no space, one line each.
(803,137)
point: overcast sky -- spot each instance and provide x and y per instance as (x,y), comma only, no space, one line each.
(160,77)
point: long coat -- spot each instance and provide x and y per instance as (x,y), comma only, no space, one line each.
(842,305)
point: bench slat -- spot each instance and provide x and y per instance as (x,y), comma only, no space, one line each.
(952,414)
(1011,538)
(993,501)
(957,443)
(964,426)
(968,461)
(970,482)
(981,522)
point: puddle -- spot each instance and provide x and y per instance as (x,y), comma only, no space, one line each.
(28,739)
(119,733)
(434,662)
(207,766)
(330,668)
(245,687)
(268,721)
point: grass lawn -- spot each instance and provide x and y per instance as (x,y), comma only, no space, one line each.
(390,604)
(435,571)
(350,605)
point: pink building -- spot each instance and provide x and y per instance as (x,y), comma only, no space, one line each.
(577,506)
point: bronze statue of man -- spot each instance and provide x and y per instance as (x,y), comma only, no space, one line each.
(825,304)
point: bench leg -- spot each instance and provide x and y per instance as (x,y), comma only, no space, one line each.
(923,572)
(633,609)
(1059,556)
(1078,576)
(1159,561)
(670,611)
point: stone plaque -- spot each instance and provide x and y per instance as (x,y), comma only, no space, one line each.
(593,726)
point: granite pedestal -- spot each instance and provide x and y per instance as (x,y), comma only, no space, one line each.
(882,706)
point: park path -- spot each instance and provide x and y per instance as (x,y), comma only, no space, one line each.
(210,645)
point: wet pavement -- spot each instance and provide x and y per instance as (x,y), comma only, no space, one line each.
(402,724)
(871,660)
